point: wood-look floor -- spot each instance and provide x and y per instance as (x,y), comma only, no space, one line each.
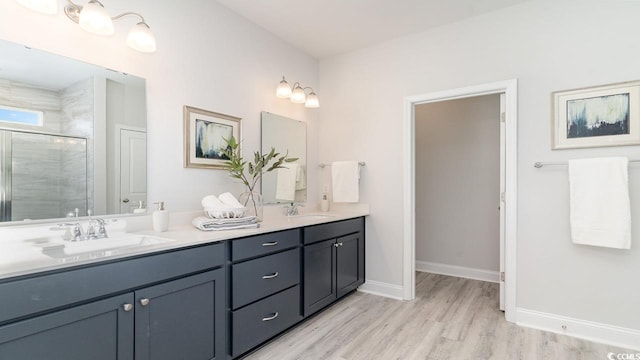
(451,318)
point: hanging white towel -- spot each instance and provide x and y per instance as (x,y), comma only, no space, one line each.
(345,178)
(599,199)
(301,178)
(286,182)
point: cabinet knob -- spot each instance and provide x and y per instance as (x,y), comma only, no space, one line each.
(270,276)
(144,301)
(340,244)
(336,245)
(271,317)
(273,243)
(125,200)
(127,307)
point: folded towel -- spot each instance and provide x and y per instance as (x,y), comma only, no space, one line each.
(345,177)
(286,182)
(301,178)
(600,211)
(206,224)
(229,200)
(211,202)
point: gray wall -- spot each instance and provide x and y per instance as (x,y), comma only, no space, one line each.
(458,182)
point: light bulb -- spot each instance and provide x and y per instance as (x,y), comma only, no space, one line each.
(141,38)
(298,96)
(284,90)
(312,101)
(95,19)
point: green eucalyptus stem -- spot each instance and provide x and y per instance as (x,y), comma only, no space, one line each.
(236,165)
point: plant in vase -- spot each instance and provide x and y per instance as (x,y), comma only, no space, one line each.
(236,165)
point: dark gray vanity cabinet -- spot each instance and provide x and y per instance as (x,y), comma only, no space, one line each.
(161,306)
(101,330)
(265,288)
(333,262)
(181,319)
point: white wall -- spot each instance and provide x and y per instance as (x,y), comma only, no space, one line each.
(208,57)
(457,169)
(548,46)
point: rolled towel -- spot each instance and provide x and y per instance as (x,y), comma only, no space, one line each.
(211,202)
(230,200)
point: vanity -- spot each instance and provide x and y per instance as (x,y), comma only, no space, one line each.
(214,295)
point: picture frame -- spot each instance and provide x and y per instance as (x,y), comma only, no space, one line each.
(204,134)
(607,115)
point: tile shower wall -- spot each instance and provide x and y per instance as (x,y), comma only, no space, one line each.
(52,175)
(40,178)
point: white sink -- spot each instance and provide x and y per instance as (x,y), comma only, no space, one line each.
(99,247)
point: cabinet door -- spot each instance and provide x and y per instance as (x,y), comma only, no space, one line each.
(348,263)
(319,275)
(101,330)
(182,319)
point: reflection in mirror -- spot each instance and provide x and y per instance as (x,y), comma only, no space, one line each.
(284,134)
(72,137)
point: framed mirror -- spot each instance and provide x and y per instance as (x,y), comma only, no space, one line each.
(72,137)
(285,135)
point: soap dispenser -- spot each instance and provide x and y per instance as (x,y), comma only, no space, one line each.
(160,218)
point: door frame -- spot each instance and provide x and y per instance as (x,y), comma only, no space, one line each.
(510,89)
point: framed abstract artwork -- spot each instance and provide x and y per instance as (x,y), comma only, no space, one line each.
(204,134)
(607,115)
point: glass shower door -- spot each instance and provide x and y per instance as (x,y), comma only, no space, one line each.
(43,176)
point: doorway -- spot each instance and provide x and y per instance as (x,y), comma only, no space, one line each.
(506,199)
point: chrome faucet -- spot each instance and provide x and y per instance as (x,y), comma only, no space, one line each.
(292,210)
(77,234)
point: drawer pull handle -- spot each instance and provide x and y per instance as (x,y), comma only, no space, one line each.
(269,318)
(127,307)
(273,243)
(144,301)
(270,276)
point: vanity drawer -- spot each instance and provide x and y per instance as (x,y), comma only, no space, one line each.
(264,244)
(258,278)
(332,230)
(260,321)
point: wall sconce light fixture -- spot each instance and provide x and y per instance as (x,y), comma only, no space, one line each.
(93,18)
(298,94)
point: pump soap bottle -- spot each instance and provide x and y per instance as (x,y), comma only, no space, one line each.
(160,218)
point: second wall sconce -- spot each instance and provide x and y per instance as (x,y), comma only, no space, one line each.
(297,95)
(93,18)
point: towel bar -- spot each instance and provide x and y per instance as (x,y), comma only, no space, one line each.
(361,163)
(540,164)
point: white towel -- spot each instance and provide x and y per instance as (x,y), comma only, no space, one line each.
(206,224)
(211,202)
(345,177)
(301,178)
(286,182)
(230,200)
(599,199)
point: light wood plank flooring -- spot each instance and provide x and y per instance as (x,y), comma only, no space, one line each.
(451,318)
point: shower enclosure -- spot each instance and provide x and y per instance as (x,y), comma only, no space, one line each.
(42,176)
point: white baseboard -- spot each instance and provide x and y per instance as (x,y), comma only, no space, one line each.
(382,289)
(458,271)
(602,333)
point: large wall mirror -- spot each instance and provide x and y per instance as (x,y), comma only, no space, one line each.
(72,137)
(285,135)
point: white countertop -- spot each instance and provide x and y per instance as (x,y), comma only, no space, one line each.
(19,256)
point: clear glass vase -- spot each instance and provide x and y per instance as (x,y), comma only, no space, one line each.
(253,202)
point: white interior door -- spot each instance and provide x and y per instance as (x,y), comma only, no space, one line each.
(133,169)
(501,205)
